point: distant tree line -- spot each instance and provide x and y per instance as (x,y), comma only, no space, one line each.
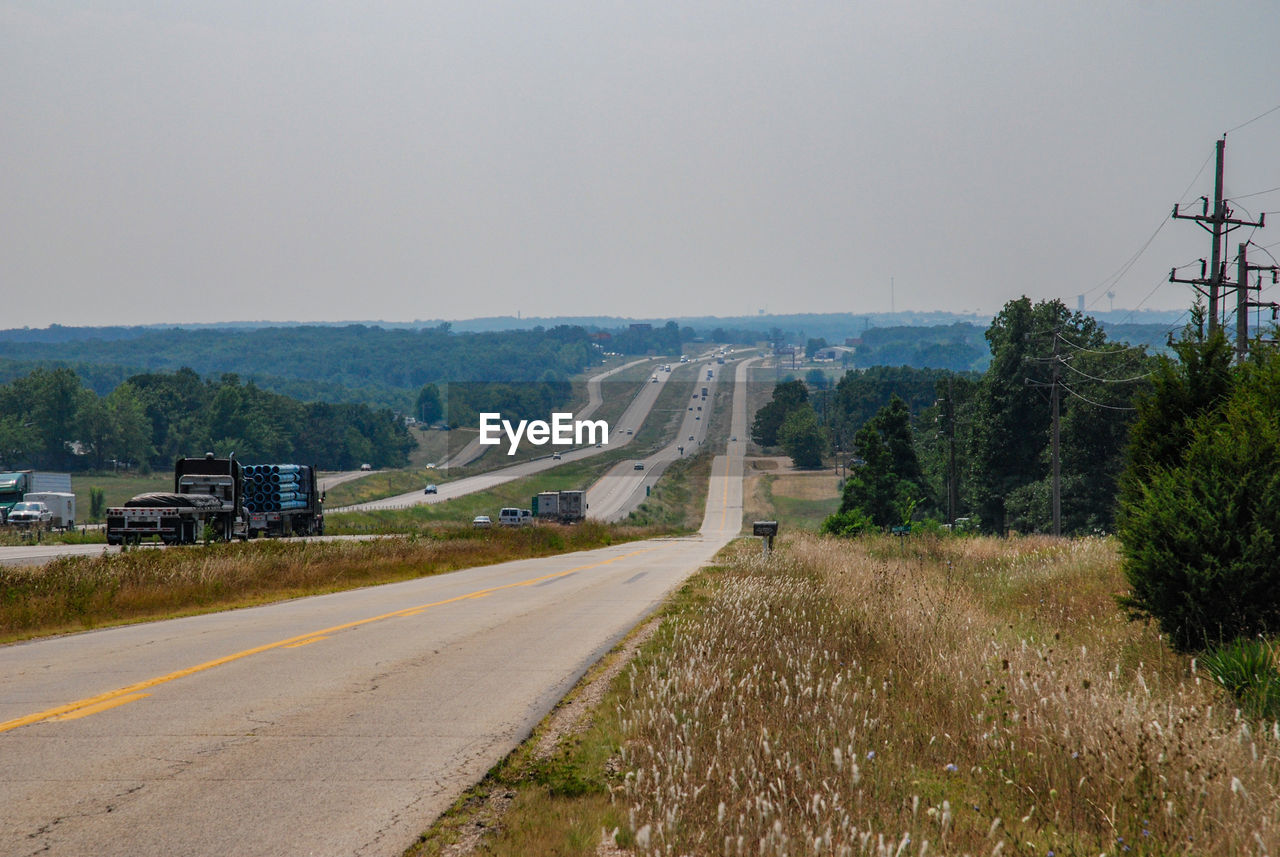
(50,420)
(353,363)
(935,443)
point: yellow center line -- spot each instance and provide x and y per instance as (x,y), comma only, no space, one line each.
(101,706)
(103,701)
(305,643)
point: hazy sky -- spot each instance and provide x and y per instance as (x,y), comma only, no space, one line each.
(291,160)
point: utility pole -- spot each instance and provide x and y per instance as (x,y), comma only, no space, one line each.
(1220,222)
(1057,468)
(1243,304)
(1055,382)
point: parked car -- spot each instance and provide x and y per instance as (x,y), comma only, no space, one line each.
(639,465)
(481,521)
(430,489)
(31,514)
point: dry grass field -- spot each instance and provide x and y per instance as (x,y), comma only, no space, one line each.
(925,696)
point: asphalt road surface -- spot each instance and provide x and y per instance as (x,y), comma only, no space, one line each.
(341,724)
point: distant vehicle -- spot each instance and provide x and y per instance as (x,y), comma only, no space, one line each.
(563,506)
(15,485)
(733,439)
(699,407)
(62,505)
(691,407)
(430,489)
(653,380)
(31,514)
(512,517)
(481,521)
(639,465)
(690,437)
(629,431)
(698,417)
(555,456)
(366,466)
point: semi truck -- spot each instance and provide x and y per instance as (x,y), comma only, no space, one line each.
(17,484)
(563,506)
(234,501)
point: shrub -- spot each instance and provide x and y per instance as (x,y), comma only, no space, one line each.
(851,522)
(1246,668)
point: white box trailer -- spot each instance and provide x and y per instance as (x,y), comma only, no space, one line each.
(61,504)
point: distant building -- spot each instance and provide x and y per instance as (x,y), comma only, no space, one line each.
(832,353)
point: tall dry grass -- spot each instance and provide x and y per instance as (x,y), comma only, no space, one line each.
(949,696)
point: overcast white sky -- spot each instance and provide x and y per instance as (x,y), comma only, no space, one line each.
(309,160)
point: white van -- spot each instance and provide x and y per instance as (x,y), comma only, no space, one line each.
(511,517)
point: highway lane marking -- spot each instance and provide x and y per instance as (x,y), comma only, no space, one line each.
(119,696)
(305,642)
(101,706)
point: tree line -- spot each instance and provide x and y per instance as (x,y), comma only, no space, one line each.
(50,420)
(933,443)
(352,363)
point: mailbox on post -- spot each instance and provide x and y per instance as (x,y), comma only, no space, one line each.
(766,530)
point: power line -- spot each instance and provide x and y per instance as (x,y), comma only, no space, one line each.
(1125,268)
(1091,401)
(1067,363)
(1256,193)
(1251,121)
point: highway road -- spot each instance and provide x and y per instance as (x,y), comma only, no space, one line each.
(474,449)
(616,495)
(341,724)
(632,418)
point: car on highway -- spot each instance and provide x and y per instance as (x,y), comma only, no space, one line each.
(629,431)
(733,439)
(481,521)
(690,437)
(639,465)
(430,489)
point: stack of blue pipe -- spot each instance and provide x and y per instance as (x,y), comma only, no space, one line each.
(276,487)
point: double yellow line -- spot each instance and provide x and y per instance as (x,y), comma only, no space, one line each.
(120,696)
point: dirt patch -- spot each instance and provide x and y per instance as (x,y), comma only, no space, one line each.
(818,485)
(764,464)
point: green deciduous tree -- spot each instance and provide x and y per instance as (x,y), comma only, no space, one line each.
(801,436)
(769,419)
